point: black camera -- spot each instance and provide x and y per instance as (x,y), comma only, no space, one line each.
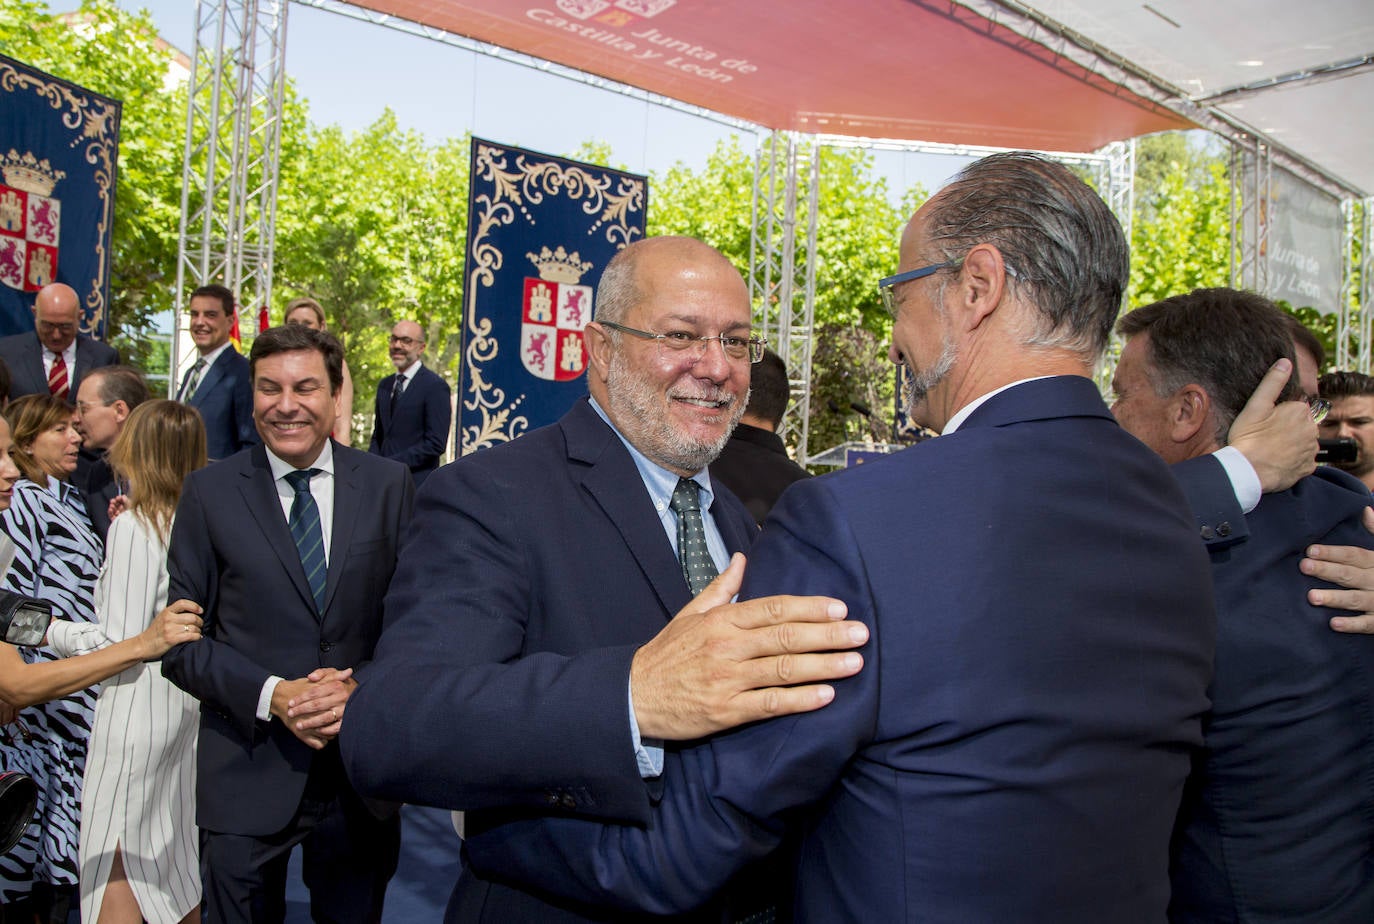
(23,620)
(1337,449)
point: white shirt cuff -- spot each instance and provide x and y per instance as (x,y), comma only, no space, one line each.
(1244,481)
(265,698)
(70,639)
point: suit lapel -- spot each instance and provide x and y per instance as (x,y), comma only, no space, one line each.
(348,494)
(33,366)
(384,406)
(591,441)
(208,382)
(259,492)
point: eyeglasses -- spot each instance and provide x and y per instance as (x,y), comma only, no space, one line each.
(85,406)
(680,340)
(1319,407)
(49,327)
(405,341)
(887,286)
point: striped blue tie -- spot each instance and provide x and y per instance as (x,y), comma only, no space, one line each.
(305,529)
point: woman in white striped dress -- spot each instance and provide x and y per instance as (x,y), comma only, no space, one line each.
(138,836)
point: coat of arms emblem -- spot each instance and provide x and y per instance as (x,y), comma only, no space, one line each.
(30,222)
(553,313)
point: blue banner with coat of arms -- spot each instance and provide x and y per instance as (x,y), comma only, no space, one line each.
(58,153)
(540,231)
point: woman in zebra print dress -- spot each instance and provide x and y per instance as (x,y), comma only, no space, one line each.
(57,558)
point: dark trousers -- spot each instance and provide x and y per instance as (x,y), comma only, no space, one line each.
(349,855)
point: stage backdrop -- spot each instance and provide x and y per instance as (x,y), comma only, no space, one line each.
(540,231)
(58,153)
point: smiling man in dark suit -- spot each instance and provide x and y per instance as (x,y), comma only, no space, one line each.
(289,547)
(412,412)
(1041,615)
(531,640)
(217,383)
(53,358)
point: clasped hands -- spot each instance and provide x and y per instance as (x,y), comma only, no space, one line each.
(313,706)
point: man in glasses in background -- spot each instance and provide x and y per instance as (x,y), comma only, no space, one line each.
(1277,822)
(544,633)
(413,410)
(52,358)
(1040,607)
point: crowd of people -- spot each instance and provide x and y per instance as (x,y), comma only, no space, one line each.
(1066,662)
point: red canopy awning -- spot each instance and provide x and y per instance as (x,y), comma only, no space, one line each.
(902,69)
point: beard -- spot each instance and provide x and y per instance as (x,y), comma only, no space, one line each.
(637,408)
(918,383)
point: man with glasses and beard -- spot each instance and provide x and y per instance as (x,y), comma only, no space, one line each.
(531,660)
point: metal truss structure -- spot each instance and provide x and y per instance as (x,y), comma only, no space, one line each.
(1252,203)
(1355,325)
(232,153)
(782,263)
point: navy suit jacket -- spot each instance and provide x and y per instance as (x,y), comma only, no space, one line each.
(531,574)
(418,432)
(23,357)
(1277,822)
(224,398)
(1016,745)
(232,552)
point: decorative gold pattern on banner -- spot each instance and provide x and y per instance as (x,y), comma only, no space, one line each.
(92,118)
(514,188)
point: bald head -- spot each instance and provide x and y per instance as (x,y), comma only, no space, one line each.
(633,270)
(55,312)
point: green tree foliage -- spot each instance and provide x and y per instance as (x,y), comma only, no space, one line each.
(856,245)
(373,224)
(1181,232)
(117,54)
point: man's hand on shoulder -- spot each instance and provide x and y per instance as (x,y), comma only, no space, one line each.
(1278,440)
(1351,567)
(719,664)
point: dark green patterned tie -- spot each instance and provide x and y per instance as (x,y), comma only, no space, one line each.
(305,529)
(697,566)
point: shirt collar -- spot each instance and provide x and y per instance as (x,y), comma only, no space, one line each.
(408,372)
(214,354)
(659,482)
(963,413)
(280,469)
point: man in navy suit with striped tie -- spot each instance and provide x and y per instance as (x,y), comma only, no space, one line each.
(216,384)
(288,547)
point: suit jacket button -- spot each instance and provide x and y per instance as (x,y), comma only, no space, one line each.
(326,646)
(1224,530)
(1208,532)
(568,801)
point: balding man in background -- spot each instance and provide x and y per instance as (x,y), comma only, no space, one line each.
(412,412)
(107,397)
(53,357)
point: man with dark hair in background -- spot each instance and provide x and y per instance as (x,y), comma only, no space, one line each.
(217,383)
(1277,821)
(104,402)
(1351,417)
(754,463)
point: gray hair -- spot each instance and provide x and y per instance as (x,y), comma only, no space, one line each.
(1066,252)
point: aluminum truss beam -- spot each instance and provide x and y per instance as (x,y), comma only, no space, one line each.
(782,264)
(233,145)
